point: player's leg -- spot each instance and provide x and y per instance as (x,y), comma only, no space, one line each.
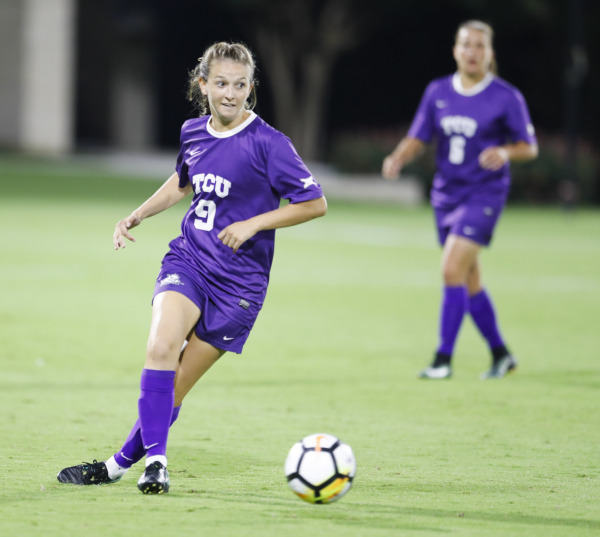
(173,317)
(458,258)
(483,313)
(194,360)
(197,359)
(213,335)
(115,467)
(133,449)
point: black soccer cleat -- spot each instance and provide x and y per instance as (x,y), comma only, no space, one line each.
(155,479)
(500,368)
(88,473)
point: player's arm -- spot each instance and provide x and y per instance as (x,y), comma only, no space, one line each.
(288,215)
(166,196)
(493,158)
(406,151)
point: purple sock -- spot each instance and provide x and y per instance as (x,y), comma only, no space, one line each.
(133,448)
(483,313)
(455,302)
(155,407)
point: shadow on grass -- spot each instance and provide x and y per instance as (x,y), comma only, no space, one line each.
(380,515)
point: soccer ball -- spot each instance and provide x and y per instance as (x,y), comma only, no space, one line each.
(320,468)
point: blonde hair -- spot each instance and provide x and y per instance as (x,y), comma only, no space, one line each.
(487,30)
(236,52)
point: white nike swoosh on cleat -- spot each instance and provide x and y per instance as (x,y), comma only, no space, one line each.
(151,445)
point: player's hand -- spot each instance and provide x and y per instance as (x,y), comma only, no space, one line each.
(236,234)
(493,158)
(122,230)
(391,168)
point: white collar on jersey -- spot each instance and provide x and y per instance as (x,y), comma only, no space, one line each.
(477,88)
(232,132)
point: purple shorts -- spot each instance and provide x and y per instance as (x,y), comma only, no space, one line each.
(213,326)
(474,221)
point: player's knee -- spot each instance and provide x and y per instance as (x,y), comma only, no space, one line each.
(162,352)
(453,275)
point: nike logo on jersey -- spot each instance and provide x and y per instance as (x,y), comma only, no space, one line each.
(197,152)
(225,338)
(151,445)
(309,181)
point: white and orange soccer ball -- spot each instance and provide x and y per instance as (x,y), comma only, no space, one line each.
(320,468)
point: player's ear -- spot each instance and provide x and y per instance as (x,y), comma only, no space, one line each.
(202,84)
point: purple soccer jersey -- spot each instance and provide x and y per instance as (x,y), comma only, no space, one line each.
(235,175)
(464,123)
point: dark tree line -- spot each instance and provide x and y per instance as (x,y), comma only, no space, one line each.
(326,65)
(339,62)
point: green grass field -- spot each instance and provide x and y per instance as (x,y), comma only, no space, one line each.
(349,321)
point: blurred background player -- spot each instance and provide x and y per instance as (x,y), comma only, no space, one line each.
(214,278)
(480,124)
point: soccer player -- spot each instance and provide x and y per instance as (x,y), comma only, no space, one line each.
(480,123)
(214,277)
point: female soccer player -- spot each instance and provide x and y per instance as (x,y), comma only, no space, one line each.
(480,123)
(214,278)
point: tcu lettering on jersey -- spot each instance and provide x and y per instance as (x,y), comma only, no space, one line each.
(207,182)
(459,125)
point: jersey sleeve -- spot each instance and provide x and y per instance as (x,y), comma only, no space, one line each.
(181,166)
(288,175)
(423,124)
(518,120)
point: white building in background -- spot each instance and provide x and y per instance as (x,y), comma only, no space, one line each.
(37,62)
(51,99)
